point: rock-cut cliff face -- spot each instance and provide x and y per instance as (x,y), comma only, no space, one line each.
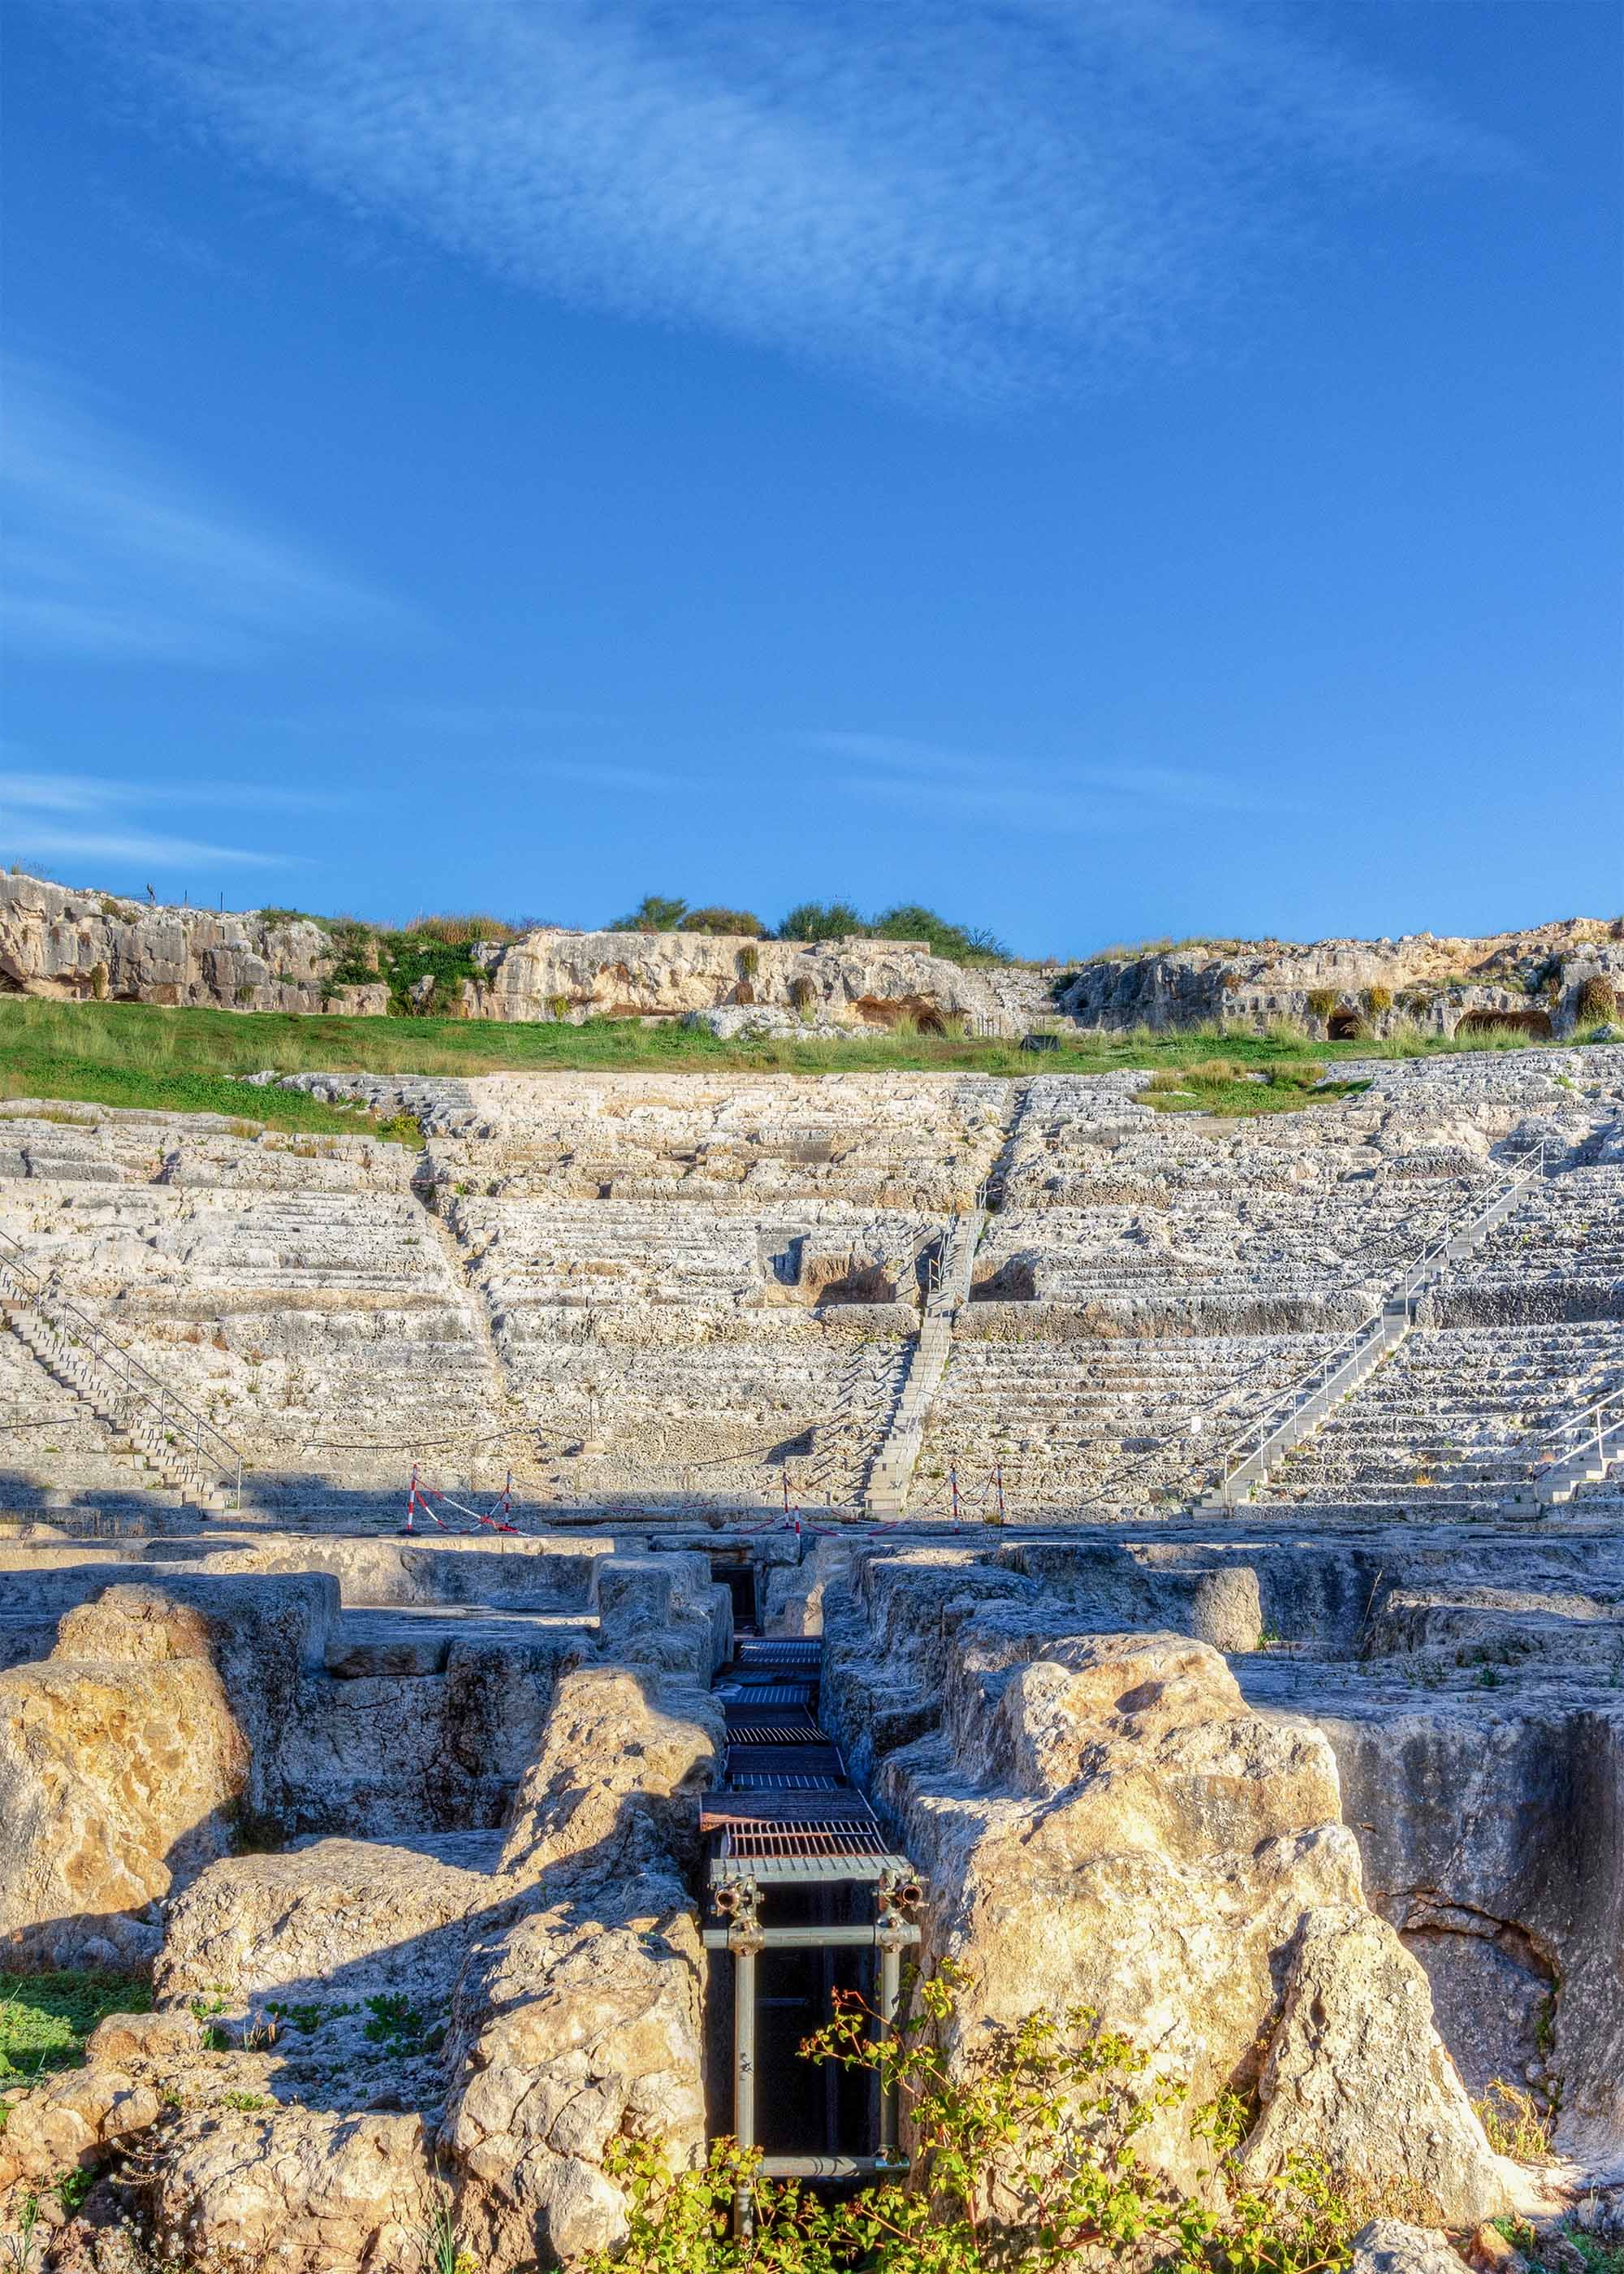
(81,946)
(84,946)
(1535,980)
(91,946)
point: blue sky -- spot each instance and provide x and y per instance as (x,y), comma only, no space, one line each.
(1104,469)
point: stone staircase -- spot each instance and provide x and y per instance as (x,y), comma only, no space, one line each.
(887,1491)
(181,1451)
(845,1448)
(1302,1408)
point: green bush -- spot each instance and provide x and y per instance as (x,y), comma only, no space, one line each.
(281,916)
(653,913)
(813,920)
(1378,999)
(749,962)
(724,922)
(1042,2120)
(802,994)
(98,981)
(1598,1000)
(1322,1001)
(461,931)
(958,943)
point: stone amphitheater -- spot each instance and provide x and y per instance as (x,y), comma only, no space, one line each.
(1165,1564)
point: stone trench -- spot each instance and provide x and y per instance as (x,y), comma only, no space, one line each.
(406,1833)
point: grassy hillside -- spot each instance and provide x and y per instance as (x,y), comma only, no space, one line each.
(193,1061)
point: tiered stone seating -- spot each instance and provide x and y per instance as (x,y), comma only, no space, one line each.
(1308,1242)
(880,1141)
(1077,1422)
(717,1420)
(58,1462)
(325,1333)
(1566,1244)
(1458,1414)
(620,1262)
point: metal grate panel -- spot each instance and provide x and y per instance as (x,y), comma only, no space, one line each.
(785,1781)
(804,1836)
(800,1731)
(801,1867)
(781,1694)
(779,1653)
(733,1811)
(784,1760)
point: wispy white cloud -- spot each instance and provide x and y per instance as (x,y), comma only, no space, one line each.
(50,817)
(1026,794)
(115,557)
(962,199)
(161,852)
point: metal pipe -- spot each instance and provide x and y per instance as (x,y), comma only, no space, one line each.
(890,1974)
(808,1938)
(829,2167)
(744,2075)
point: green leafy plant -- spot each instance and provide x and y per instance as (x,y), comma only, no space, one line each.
(1322,1001)
(398,2026)
(816,920)
(1378,999)
(724,922)
(1026,2157)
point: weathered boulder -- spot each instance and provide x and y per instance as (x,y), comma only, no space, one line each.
(577,2026)
(583,2020)
(297,2189)
(1389,2245)
(1105,1824)
(1356,2071)
(325,1923)
(123,1756)
(72,2120)
(113,1780)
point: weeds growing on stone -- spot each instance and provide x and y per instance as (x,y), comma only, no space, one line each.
(444,2247)
(1513,2122)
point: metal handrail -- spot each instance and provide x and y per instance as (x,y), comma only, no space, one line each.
(1314,1378)
(1578,1426)
(103,1350)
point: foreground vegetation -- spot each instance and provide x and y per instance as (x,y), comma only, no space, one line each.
(1026,2160)
(133,1054)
